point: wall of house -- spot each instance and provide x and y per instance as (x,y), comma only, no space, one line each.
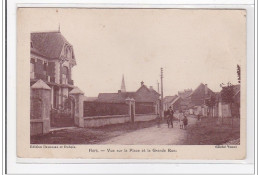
(226,112)
(48,74)
(98,121)
(57,72)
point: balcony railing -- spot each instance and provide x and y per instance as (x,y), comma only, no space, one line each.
(37,76)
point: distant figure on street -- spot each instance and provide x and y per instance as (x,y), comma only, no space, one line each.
(185,122)
(199,119)
(181,120)
(170,117)
(158,120)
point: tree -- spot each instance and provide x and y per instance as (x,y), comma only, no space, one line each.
(227,95)
(238,73)
(211,103)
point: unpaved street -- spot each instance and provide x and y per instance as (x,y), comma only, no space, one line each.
(153,135)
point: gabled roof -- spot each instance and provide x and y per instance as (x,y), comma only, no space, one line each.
(236,89)
(169,99)
(176,99)
(138,96)
(185,93)
(40,85)
(114,97)
(48,44)
(200,87)
(148,89)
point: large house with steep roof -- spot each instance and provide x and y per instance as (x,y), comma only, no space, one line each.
(52,59)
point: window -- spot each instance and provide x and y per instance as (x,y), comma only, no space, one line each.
(31,44)
(32,68)
(65,74)
(68,52)
(45,65)
(65,70)
(33,60)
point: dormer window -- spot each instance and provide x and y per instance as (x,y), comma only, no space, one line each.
(65,75)
(68,52)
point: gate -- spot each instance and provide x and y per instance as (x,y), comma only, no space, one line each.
(64,115)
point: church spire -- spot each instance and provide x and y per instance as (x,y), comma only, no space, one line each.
(123,85)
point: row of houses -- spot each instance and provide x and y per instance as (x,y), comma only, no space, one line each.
(198,102)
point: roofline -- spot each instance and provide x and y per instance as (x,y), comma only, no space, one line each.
(51,31)
(45,57)
(147,89)
(175,100)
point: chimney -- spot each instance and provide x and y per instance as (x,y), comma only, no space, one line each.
(206,89)
(119,91)
(151,87)
(142,83)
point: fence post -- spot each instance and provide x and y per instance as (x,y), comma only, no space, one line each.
(79,100)
(132,109)
(42,91)
(128,101)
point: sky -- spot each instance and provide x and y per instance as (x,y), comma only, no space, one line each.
(192,46)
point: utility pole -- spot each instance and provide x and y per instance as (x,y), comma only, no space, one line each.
(162,93)
(158,86)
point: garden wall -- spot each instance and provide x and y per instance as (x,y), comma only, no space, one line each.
(97,121)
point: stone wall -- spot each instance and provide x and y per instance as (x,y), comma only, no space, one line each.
(98,121)
(36,127)
(147,117)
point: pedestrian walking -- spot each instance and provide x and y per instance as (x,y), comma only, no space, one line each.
(181,120)
(170,117)
(185,122)
(198,119)
(158,119)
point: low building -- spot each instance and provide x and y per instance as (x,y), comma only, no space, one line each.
(146,99)
(198,100)
(193,102)
(227,109)
(168,101)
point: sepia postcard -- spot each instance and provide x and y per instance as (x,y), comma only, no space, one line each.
(115,83)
